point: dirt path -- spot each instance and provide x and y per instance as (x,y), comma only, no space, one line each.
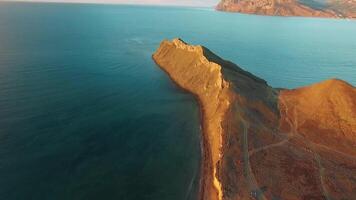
(255,190)
(322,177)
(295,133)
(312,146)
(284,141)
(268,146)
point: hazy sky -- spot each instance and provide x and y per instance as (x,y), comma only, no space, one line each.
(208,3)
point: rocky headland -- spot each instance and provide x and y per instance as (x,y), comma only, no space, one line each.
(306,8)
(266,143)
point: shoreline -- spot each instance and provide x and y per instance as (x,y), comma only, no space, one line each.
(212,8)
(213,94)
(240,113)
(286,16)
(332,10)
(205,164)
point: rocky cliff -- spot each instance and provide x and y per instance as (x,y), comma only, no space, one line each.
(266,143)
(307,8)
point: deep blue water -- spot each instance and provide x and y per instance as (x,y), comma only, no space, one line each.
(86,114)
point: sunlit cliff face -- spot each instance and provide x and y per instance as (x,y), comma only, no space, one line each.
(267,143)
(307,8)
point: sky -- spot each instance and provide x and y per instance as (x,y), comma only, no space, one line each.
(206,3)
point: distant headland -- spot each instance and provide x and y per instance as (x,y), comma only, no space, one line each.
(266,143)
(306,8)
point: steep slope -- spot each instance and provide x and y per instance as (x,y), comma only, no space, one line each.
(324,109)
(190,69)
(264,143)
(306,8)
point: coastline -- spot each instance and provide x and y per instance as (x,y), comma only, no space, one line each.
(200,75)
(240,116)
(205,164)
(333,10)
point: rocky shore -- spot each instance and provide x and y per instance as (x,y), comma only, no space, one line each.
(305,8)
(266,143)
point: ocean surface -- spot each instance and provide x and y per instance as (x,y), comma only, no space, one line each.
(86,114)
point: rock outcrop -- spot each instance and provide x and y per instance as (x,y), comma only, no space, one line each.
(306,8)
(266,143)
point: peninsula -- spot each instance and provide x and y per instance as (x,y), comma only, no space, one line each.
(306,8)
(266,143)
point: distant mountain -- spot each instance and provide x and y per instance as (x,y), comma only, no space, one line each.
(307,8)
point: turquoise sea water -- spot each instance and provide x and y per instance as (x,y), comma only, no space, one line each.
(86,114)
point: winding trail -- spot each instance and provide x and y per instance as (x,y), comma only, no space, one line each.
(312,147)
(322,177)
(295,133)
(284,141)
(255,190)
(268,146)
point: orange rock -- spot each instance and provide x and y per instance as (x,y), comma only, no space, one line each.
(332,8)
(264,143)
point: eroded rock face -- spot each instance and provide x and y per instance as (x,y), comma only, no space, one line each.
(190,68)
(307,8)
(264,143)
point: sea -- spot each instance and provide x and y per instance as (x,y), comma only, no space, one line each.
(86,114)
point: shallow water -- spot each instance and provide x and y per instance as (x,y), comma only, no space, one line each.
(86,114)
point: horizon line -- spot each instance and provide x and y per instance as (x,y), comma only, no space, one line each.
(108,3)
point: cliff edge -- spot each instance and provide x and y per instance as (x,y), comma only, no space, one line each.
(266,143)
(306,8)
